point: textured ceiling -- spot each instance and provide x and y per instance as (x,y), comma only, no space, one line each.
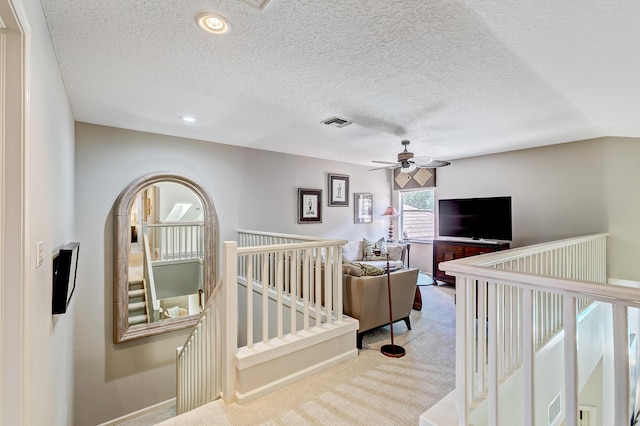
(457,78)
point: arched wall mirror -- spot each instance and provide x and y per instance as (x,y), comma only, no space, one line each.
(164,262)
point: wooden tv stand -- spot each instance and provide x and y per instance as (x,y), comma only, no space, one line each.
(445,250)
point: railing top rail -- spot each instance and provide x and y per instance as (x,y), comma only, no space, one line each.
(278,235)
(148,267)
(610,293)
(165,224)
(290,246)
(494,258)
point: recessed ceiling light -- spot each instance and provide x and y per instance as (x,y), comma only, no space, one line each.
(213,23)
(188,119)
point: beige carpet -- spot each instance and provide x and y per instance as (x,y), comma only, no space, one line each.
(371,389)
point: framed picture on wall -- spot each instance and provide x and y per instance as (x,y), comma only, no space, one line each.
(309,205)
(362,208)
(338,190)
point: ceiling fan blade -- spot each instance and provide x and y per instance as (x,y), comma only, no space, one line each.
(429,163)
(408,161)
(421,160)
(438,163)
(385,167)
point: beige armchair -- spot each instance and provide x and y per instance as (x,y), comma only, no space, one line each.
(367,299)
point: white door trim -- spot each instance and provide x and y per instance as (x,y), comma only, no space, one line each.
(14,278)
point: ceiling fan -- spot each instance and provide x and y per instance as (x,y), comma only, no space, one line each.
(408,163)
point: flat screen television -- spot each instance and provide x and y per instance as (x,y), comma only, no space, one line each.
(65,266)
(476,218)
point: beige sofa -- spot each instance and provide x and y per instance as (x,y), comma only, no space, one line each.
(367,299)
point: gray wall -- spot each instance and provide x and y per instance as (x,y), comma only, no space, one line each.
(251,189)
(562,191)
(177,279)
(557,191)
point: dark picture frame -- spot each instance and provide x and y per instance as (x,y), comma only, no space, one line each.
(338,190)
(362,207)
(309,205)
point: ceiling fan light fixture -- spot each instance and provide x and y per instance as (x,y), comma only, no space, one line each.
(408,167)
(213,23)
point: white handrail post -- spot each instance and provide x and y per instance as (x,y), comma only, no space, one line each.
(620,364)
(230,309)
(570,361)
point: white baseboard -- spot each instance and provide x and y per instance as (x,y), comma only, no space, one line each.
(140,413)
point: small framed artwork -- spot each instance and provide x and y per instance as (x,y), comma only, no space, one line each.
(362,208)
(338,190)
(309,205)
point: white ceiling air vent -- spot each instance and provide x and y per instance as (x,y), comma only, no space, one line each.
(337,121)
(258,4)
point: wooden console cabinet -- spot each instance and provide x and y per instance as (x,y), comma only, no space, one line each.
(445,250)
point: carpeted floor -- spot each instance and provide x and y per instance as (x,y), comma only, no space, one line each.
(370,389)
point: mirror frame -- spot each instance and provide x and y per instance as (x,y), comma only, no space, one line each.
(122,332)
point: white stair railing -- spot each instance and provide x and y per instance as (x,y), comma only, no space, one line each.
(174,241)
(304,278)
(300,287)
(527,295)
(199,360)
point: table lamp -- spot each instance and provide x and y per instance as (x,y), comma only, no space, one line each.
(391,212)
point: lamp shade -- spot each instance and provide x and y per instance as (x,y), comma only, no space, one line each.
(390,211)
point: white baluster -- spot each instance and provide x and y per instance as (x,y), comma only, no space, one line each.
(528,353)
(279,289)
(328,291)
(570,361)
(265,297)
(318,286)
(464,368)
(493,354)
(305,288)
(621,365)
(293,286)
(249,274)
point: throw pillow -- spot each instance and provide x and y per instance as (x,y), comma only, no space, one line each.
(351,268)
(352,251)
(369,270)
(369,249)
(395,252)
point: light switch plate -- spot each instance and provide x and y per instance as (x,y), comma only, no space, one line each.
(39,254)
